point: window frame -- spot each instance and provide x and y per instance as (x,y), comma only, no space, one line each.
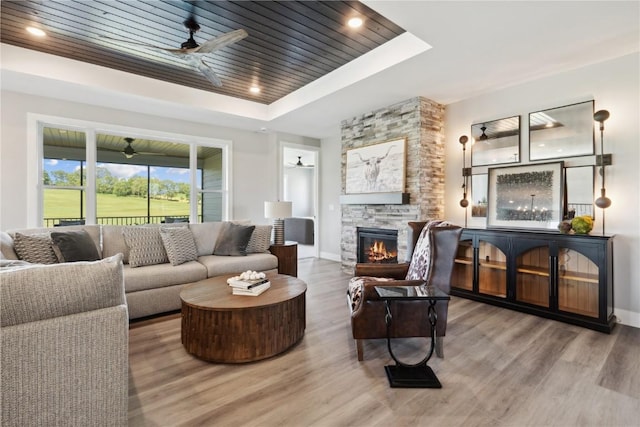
(35,156)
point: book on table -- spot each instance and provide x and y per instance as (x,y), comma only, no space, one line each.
(246,284)
(254,291)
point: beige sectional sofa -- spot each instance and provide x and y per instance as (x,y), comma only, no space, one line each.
(154,289)
(64,340)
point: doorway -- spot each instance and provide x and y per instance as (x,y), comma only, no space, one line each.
(299,184)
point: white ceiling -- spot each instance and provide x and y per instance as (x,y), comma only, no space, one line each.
(476,47)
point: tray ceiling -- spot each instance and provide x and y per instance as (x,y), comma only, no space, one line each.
(290,44)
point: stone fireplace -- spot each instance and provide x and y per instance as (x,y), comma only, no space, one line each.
(377,245)
(420,121)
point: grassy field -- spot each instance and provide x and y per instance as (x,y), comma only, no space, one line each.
(66,204)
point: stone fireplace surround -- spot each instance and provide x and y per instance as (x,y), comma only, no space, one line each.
(421,122)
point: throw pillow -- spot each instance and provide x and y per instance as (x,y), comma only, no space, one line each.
(35,248)
(233,240)
(420,267)
(260,240)
(71,246)
(145,246)
(179,244)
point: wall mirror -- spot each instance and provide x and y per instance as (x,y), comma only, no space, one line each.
(479,187)
(496,142)
(561,132)
(579,191)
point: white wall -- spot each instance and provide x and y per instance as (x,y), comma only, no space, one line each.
(615,86)
(298,189)
(330,188)
(254,154)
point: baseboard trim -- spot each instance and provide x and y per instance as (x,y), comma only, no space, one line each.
(626,317)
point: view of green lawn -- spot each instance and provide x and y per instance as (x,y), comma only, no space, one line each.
(66,204)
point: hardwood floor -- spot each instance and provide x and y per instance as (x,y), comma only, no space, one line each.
(501,368)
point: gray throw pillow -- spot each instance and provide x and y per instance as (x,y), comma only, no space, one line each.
(179,244)
(233,240)
(35,248)
(71,246)
(260,240)
(145,246)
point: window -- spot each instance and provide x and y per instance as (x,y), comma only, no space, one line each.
(108,178)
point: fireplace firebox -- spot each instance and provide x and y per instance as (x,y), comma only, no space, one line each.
(377,245)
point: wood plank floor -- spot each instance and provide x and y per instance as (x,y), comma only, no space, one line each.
(501,368)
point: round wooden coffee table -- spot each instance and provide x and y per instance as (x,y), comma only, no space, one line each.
(220,327)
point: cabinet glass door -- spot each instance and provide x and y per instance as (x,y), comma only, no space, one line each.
(532,276)
(463,268)
(577,283)
(492,270)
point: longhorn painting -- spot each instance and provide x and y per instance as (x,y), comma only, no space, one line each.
(378,168)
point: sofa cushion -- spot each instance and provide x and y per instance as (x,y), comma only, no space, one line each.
(6,246)
(162,275)
(206,234)
(219,265)
(113,242)
(260,240)
(35,248)
(72,246)
(179,244)
(233,240)
(93,230)
(43,292)
(145,246)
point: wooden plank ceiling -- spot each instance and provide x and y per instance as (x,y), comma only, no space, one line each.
(290,43)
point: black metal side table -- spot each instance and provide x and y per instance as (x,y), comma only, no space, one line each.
(419,375)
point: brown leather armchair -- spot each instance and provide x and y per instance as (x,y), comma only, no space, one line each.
(410,318)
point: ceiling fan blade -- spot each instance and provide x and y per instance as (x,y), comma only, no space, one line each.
(219,42)
(206,71)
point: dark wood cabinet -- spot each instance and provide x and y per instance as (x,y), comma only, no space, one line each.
(558,276)
(287,255)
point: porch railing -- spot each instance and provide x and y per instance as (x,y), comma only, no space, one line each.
(119,220)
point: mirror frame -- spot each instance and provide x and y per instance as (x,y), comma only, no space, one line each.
(498,133)
(562,134)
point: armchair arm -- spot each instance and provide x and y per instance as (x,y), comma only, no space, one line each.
(368,288)
(392,271)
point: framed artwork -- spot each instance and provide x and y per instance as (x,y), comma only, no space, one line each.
(579,187)
(496,142)
(562,132)
(527,196)
(378,168)
(479,188)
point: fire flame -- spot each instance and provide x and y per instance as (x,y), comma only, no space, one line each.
(378,253)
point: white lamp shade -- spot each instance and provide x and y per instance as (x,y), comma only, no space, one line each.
(277,209)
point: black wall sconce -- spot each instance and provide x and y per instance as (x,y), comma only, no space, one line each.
(603,201)
(466,173)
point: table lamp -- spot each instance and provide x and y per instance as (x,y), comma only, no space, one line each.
(277,211)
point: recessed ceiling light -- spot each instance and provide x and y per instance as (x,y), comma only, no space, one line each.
(355,22)
(36,31)
(254,89)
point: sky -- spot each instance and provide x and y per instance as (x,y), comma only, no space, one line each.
(122,171)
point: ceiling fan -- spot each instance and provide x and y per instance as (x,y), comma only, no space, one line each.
(191,52)
(299,164)
(129,151)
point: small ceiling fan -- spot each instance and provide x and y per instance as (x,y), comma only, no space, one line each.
(129,151)
(192,53)
(299,164)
